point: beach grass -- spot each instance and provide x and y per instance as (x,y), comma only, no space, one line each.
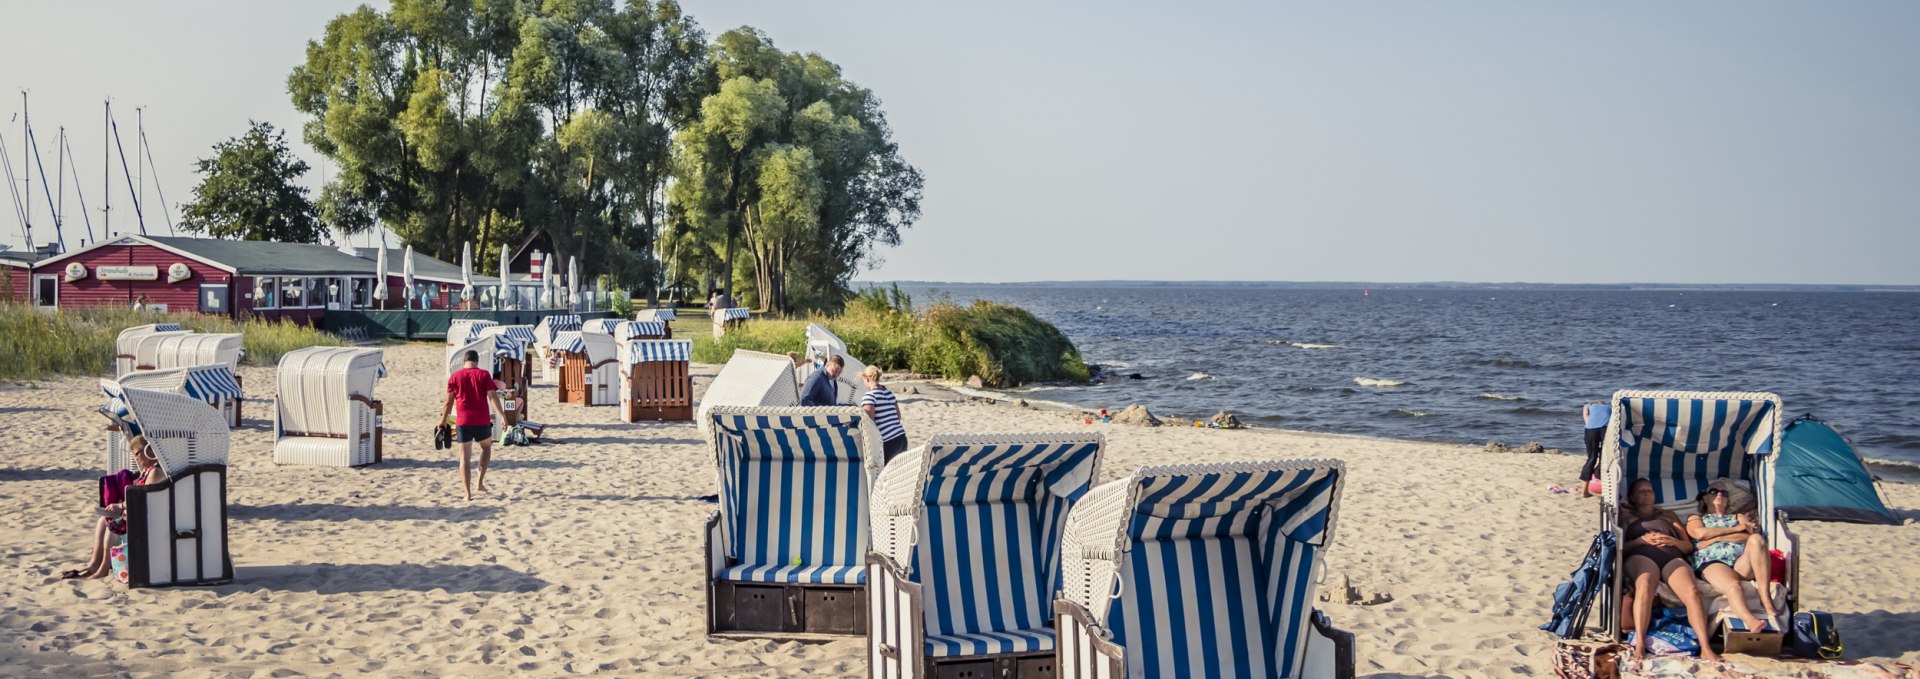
(1002,344)
(38,344)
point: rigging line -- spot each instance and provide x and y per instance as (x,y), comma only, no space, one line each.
(33,147)
(138,215)
(74,167)
(14,191)
(148,148)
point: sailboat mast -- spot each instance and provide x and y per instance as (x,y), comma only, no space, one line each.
(60,178)
(106,170)
(26,156)
(158,190)
(139,217)
(140,124)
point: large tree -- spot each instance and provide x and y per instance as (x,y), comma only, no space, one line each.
(486,120)
(248,190)
(796,163)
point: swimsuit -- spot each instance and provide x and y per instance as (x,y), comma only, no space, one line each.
(1660,556)
(1727,552)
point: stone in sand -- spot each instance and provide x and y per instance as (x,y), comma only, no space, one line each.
(1137,415)
(1533,448)
(1497,447)
(975,382)
(910,390)
(1225,420)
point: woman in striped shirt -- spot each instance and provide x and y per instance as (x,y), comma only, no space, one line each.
(885,411)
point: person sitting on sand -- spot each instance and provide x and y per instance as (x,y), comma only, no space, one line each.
(113,517)
(1657,552)
(1729,548)
(881,405)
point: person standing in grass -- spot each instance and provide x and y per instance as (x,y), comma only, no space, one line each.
(884,408)
(469,391)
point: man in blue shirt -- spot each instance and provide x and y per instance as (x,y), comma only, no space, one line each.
(823,386)
(1596,415)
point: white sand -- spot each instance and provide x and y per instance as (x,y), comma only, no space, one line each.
(587,554)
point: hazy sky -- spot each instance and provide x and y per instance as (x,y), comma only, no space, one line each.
(1766,142)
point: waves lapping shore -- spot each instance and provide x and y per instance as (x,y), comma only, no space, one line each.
(1337,361)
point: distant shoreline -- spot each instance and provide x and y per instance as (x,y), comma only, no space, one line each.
(1443,285)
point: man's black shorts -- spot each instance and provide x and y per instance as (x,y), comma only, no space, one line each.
(478,432)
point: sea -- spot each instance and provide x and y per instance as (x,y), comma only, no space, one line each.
(1476,365)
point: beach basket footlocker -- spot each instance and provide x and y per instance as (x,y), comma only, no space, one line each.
(657,381)
(589,368)
(784,550)
(325,413)
(1683,441)
(177,528)
(966,554)
(1204,570)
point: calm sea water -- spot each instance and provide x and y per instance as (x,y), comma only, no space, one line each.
(1474,366)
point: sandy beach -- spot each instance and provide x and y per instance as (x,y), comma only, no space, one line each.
(586,555)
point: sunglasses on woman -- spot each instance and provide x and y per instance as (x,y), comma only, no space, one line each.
(1714,491)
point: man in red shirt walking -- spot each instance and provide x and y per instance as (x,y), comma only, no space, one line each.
(469,390)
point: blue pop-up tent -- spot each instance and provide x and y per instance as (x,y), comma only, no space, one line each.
(1819,476)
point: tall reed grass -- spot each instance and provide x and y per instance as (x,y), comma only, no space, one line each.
(36,344)
(1002,344)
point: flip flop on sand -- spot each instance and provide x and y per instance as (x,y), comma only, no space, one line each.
(1557,490)
(74,574)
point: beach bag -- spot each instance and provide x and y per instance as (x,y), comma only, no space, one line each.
(515,435)
(1576,660)
(1574,598)
(1814,637)
(117,558)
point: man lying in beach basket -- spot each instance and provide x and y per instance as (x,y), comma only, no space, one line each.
(1682,442)
(325,413)
(784,551)
(589,368)
(1204,570)
(966,554)
(656,381)
(177,529)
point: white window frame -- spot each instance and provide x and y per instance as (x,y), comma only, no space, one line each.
(35,290)
(269,287)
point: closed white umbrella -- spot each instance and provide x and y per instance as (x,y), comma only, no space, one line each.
(380,272)
(573,282)
(466,272)
(406,275)
(500,301)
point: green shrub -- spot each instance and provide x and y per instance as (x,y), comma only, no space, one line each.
(1003,344)
(37,344)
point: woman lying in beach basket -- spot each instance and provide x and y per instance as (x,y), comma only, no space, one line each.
(1730,550)
(1674,446)
(1657,548)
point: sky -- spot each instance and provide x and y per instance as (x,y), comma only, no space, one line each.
(1753,142)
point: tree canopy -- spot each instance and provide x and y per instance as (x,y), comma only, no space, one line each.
(247,191)
(647,153)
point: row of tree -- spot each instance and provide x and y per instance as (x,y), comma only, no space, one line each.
(651,154)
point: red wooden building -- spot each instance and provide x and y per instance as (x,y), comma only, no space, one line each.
(290,281)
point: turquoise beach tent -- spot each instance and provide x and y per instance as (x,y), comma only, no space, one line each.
(1818,476)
